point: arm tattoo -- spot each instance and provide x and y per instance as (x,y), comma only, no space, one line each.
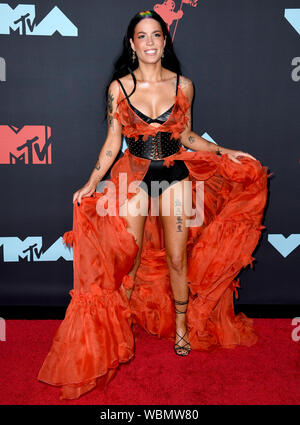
(218,152)
(109,153)
(191,139)
(184,81)
(110,99)
(110,120)
(97,166)
(109,102)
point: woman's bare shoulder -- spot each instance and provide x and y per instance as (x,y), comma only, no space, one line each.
(126,79)
(185,82)
(187,86)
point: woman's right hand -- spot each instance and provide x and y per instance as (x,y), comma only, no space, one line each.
(87,190)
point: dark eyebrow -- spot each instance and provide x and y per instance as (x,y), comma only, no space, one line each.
(145,33)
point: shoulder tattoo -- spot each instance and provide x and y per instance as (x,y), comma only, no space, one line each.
(184,81)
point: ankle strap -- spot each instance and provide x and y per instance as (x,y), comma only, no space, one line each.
(181,302)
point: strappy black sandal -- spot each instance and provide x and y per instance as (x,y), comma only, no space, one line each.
(184,347)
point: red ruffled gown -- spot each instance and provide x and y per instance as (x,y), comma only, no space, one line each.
(97,333)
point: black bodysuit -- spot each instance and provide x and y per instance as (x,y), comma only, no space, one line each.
(166,147)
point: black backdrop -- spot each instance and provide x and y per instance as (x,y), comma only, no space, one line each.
(243,57)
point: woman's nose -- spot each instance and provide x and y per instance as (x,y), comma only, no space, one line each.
(150,41)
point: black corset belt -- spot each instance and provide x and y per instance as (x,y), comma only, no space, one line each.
(155,147)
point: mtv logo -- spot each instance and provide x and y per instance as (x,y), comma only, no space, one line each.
(27,145)
(293,17)
(22,19)
(2,69)
(284,245)
(32,249)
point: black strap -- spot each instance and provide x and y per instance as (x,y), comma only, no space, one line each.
(123,90)
(177,83)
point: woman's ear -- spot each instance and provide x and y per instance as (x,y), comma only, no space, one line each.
(131,44)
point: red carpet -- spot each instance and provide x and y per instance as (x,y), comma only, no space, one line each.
(266,373)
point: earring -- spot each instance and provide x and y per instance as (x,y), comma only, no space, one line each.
(133,56)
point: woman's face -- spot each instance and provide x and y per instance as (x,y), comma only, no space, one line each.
(148,41)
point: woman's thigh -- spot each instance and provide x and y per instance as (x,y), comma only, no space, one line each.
(175,207)
(136,222)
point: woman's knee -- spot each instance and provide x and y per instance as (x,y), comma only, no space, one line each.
(176,260)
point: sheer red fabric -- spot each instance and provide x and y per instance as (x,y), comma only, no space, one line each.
(96,334)
(133,125)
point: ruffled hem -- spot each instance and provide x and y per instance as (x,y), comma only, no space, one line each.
(96,334)
(92,340)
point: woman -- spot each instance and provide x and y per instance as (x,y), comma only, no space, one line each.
(128,267)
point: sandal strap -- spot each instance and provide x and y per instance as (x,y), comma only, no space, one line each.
(181,303)
(180,312)
(182,339)
(186,347)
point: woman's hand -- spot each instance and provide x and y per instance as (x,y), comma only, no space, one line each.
(233,155)
(87,190)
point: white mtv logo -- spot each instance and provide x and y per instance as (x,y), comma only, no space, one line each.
(22,19)
(2,69)
(32,249)
(284,245)
(293,17)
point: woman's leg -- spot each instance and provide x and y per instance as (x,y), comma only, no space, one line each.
(136,226)
(179,203)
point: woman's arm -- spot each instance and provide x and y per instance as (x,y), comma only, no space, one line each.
(192,140)
(109,150)
(112,144)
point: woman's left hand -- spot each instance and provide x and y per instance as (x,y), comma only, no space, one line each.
(233,155)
